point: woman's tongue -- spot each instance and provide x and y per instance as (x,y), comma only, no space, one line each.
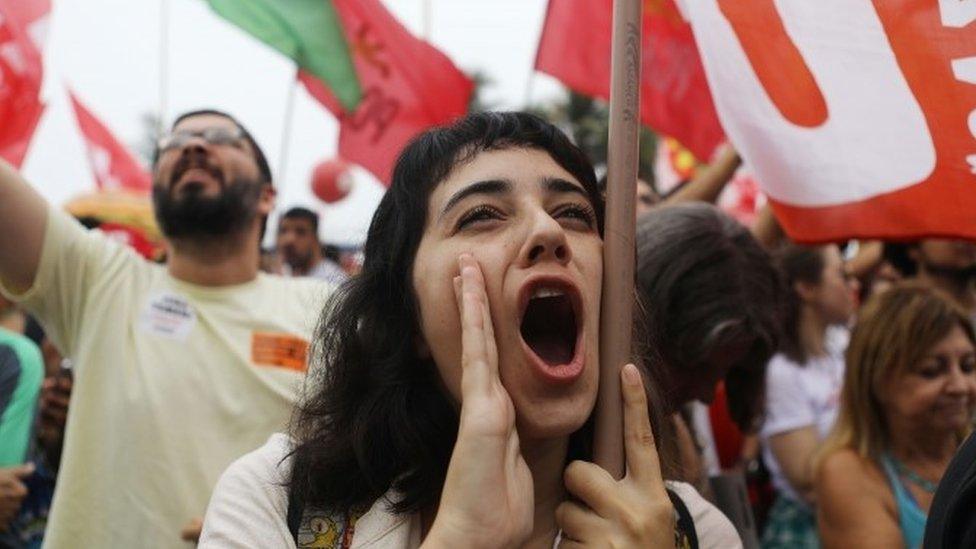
(549,329)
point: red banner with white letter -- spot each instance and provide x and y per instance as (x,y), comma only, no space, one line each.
(857,116)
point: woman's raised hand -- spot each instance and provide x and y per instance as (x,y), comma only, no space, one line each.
(488,494)
(632,512)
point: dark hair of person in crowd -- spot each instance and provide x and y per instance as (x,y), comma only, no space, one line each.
(796,263)
(896,253)
(710,292)
(299,212)
(378,416)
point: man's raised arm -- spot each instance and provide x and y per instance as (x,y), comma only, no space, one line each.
(23,218)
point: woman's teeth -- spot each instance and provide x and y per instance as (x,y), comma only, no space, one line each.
(547,292)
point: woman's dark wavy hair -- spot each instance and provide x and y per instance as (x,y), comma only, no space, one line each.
(706,282)
(797,263)
(376,416)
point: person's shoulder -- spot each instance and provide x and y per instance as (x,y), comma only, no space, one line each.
(845,474)
(855,504)
(712,527)
(25,349)
(249,505)
(268,464)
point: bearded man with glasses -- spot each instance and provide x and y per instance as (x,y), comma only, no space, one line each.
(179,368)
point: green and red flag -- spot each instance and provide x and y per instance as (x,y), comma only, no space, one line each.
(307,31)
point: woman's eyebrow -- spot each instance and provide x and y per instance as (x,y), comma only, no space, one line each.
(558,185)
(491,186)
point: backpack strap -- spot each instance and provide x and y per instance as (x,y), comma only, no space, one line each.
(685,536)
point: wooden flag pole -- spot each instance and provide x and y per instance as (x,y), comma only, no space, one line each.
(616,318)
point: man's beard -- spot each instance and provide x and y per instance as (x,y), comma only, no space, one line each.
(195,216)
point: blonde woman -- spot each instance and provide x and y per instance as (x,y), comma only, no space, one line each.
(907,403)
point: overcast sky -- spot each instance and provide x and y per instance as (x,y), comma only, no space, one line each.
(108,52)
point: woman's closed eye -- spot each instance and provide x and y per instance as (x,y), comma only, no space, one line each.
(932,368)
(577,213)
(478,215)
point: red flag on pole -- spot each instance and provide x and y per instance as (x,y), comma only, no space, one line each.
(21,73)
(408,86)
(32,16)
(112,164)
(870,134)
(675,99)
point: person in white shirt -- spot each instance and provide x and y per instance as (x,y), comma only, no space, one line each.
(300,249)
(452,405)
(803,385)
(178,368)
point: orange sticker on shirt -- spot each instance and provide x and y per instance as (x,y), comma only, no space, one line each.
(280,350)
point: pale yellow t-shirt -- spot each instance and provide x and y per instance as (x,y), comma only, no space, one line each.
(173,382)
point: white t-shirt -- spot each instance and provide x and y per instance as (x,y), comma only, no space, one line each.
(325,270)
(173,381)
(250,505)
(802,396)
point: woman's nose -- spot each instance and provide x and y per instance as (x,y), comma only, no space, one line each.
(546,242)
(960,381)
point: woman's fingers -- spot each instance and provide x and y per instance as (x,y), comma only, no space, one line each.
(643,465)
(476,374)
(592,485)
(576,521)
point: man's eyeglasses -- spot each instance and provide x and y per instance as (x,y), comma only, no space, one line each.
(214,136)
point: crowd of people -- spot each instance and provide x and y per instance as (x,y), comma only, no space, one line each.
(441,392)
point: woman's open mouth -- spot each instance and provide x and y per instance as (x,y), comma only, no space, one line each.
(551,329)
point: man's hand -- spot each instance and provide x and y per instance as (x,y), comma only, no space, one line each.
(12,492)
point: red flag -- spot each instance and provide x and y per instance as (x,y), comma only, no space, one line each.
(32,16)
(870,134)
(408,86)
(112,164)
(675,99)
(21,72)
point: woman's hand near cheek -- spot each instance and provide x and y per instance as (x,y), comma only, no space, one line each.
(632,512)
(488,496)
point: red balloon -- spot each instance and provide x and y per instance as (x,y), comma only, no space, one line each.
(331,180)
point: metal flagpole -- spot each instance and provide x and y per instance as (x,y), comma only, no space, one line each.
(163,66)
(616,318)
(425,25)
(282,181)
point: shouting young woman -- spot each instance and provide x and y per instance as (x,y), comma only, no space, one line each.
(457,374)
